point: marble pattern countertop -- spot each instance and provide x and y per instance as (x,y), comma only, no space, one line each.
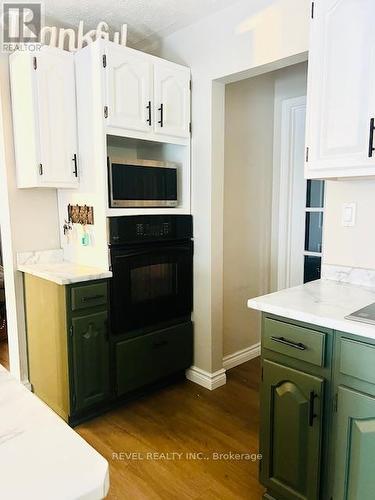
(40,455)
(50,266)
(324,302)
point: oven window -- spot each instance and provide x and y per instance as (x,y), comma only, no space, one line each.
(151,285)
(153,282)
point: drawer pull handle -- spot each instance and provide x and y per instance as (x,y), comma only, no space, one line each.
(312,413)
(289,343)
(160,344)
(92,297)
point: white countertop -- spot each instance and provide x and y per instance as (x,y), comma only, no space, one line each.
(41,457)
(50,265)
(324,302)
(64,273)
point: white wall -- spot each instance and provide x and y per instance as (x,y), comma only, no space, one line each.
(28,221)
(252,137)
(350,246)
(92,159)
(245,39)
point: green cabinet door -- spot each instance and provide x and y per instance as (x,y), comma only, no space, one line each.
(148,358)
(355,446)
(290,438)
(90,360)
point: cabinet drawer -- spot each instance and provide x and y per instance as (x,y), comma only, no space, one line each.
(357,360)
(294,341)
(148,358)
(85,296)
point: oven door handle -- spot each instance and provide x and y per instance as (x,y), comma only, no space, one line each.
(152,251)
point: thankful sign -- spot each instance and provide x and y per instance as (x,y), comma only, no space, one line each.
(23,29)
(67,38)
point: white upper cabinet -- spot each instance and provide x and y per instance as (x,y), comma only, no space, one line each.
(44,118)
(341,90)
(145,97)
(172,99)
(129,89)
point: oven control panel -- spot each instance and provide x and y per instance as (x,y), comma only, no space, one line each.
(153,230)
(147,228)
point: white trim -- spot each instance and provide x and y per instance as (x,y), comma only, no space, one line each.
(288,227)
(239,357)
(208,380)
(28,385)
(314,209)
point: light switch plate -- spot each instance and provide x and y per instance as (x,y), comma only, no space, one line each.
(348,214)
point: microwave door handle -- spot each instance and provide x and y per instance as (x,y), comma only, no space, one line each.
(110,184)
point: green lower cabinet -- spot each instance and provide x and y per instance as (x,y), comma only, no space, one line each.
(355,446)
(317,433)
(90,360)
(291,432)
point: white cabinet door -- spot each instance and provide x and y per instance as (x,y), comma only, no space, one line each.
(172,99)
(129,89)
(341,89)
(56,101)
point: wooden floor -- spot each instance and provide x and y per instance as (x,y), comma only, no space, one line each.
(4,356)
(184,418)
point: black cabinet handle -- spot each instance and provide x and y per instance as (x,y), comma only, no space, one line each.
(75,171)
(371,148)
(161,109)
(92,297)
(160,344)
(148,107)
(312,413)
(289,343)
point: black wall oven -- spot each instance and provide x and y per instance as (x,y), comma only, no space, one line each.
(152,265)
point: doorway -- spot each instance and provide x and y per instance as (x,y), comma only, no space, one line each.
(266,203)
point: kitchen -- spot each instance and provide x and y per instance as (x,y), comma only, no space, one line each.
(247,41)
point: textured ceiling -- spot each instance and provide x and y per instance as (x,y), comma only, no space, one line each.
(147,20)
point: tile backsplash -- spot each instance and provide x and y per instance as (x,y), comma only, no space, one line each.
(353,275)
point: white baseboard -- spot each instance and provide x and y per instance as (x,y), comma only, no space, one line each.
(239,357)
(208,380)
(27,384)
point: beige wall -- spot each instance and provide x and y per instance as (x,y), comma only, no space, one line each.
(350,246)
(249,110)
(252,112)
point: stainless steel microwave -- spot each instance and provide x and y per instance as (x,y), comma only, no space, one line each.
(142,183)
